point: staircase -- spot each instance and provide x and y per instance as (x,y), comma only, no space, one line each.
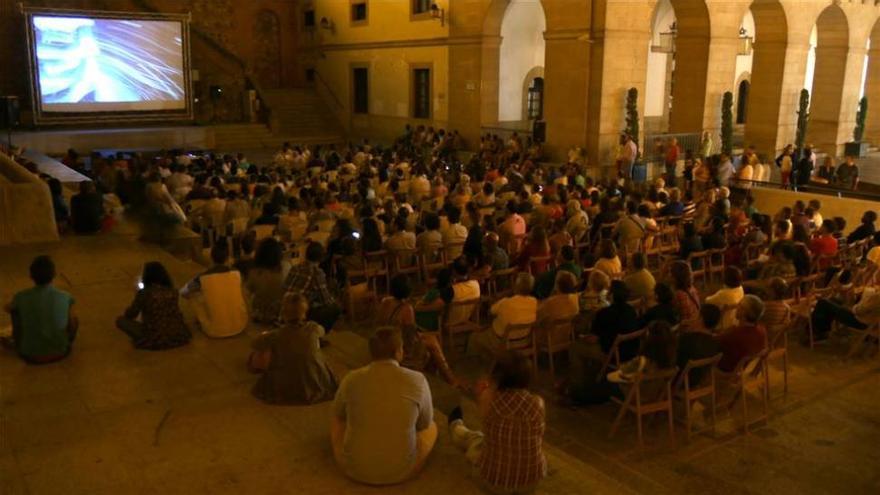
(301,112)
(297,115)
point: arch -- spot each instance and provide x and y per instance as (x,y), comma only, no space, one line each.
(832,50)
(742,101)
(872,85)
(522,48)
(490,59)
(767,74)
(530,82)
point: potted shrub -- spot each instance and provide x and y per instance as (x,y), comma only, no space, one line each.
(857,147)
(640,169)
(727,124)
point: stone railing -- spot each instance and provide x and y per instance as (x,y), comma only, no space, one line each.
(26,212)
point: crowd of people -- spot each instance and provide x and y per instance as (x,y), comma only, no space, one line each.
(426,243)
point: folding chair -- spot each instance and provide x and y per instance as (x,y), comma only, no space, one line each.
(612,360)
(554,336)
(639,405)
(521,338)
(690,392)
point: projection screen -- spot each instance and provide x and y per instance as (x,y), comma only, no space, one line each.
(88,65)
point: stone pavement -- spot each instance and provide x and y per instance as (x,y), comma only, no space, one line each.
(111,419)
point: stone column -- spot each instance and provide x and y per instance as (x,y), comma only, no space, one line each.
(566,80)
(465,89)
(618,61)
(838,70)
(872,92)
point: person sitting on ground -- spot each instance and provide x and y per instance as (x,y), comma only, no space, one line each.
(213,301)
(664,309)
(520,308)
(508,454)
(161,326)
(865,230)
(641,281)
(420,350)
(728,296)
(44,323)
(59,204)
(292,366)
(86,209)
(746,339)
(309,279)
(263,282)
(697,343)
(383,417)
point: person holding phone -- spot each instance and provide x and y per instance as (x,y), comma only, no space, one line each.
(161,324)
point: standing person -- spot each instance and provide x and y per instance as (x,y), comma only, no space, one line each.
(383,417)
(629,152)
(805,165)
(161,326)
(671,160)
(297,372)
(44,323)
(508,454)
(785,165)
(706,145)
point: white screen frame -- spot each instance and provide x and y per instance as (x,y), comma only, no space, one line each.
(116,112)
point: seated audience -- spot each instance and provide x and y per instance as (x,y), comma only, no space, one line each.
(687,299)
(608,261)
(292,366)
(310,280)
(263,282)
(700,342)
(383,418)
(520,308)
(640,282)
(213,301)
(86,209)
(864,313)
(865,230)
(664,308)
(728,296)
(748,338)
(507,455)
(44,323)
(161,324)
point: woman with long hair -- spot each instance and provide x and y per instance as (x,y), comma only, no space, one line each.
(161,324)
(264,281)
(537,246)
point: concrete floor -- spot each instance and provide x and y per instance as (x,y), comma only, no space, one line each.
(111,419)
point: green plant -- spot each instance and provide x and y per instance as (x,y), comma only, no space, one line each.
(632,113)
(861,116)
(803,119)
(727,124)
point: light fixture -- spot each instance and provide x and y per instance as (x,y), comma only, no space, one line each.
(327,24)
(745,42)
(667,41)
(438,13)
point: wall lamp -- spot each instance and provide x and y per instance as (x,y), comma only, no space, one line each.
(438,13)
(327,24)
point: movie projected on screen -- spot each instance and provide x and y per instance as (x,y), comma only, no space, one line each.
(100,63)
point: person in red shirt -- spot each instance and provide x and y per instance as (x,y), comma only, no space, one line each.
(671,161)
(746,339)
(824,246)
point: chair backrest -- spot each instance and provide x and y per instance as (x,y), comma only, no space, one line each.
(685,381)
(699,261)
(379,259)
(750,367)
(500,282)
(263,231)
(561,330)
(621,339)
(519,337)
(404,258)
(645,380)
(461,312)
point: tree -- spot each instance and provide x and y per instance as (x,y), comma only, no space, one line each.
(632,114)
(727,124)
(803,119)
(861,115)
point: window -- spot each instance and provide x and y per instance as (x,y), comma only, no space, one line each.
(360,90)
(421,91)
(309,18)
(421,7)
(310,74)
(742,102)
(358,12)
(536,99)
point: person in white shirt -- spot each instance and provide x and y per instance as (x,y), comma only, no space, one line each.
(728,297)
(454,235)
(518,309)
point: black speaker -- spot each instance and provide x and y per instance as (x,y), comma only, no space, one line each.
(9,112)
(539,131)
